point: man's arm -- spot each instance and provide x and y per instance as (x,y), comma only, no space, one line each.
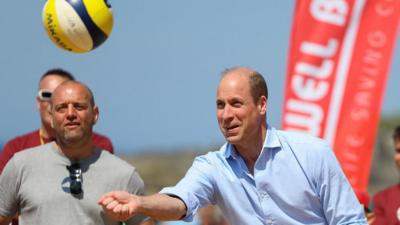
(121,206)
(8,192)
(339,202)
(5,220)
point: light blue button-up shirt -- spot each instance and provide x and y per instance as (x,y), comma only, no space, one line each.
(297,180)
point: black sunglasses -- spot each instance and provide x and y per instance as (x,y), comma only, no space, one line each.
(75,173)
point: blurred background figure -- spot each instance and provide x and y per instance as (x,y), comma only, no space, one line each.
(387,202)
(364,200)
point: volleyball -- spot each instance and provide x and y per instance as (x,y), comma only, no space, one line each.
(78,25)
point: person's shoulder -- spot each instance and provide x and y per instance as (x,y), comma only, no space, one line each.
(97,135)
(27,135)
(118,170)
(102,141)
(115,162)
(301,138)
(213,157)
(213,154)
(23,139)
(305,146)
(391,190)
(31,155)
(36,150)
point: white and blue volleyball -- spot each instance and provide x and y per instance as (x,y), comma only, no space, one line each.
(78,25)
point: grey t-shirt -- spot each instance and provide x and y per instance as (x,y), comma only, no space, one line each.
(36,183)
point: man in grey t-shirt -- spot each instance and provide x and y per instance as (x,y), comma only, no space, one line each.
(60,182)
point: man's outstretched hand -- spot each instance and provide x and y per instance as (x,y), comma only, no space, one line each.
(120,205)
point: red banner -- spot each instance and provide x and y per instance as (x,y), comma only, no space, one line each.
(338,63)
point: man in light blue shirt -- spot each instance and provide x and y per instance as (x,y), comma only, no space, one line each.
(260,176)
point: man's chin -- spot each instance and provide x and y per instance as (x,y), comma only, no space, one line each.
(232,139)
(72,138)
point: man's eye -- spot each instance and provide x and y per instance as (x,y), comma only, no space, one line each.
(220,105)
(80,107)
(237,104)
(60,108)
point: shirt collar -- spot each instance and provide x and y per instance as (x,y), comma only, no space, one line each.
(229,151)
(271,141)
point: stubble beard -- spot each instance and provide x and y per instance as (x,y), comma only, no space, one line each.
(72,138)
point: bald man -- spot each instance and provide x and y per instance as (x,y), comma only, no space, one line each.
(45,134)
(60,182)
(260,176)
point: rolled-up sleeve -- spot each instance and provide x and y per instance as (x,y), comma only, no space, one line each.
(196,188)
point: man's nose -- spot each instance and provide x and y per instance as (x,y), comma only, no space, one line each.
(227,113)
(71,113)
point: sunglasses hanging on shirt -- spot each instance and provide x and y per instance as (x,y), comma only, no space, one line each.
(75,174)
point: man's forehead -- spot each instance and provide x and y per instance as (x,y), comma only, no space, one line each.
(71,89)
(229,98)
(233,87)
(71,92)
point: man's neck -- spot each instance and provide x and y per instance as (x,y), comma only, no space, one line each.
(251,151)
(77,151)
(250,156)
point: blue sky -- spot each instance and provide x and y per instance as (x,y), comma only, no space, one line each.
(155,78)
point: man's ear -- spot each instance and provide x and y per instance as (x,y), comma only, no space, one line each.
(95,114)
(262,104)
(38,104)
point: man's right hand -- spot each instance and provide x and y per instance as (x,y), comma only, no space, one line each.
(120,205)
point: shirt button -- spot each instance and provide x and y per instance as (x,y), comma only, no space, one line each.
(263,195)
